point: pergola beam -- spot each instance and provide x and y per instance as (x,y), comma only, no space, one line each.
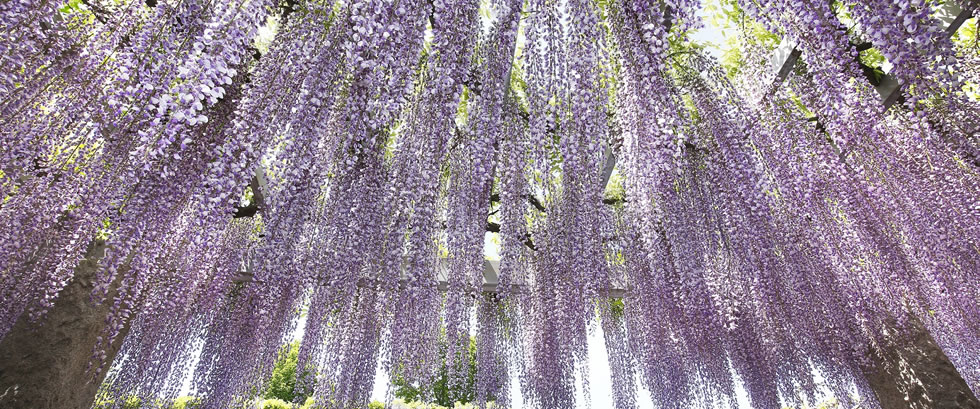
(786,55)
(491,281)
(783,61)
(942,381)
(491,268)
(953,16)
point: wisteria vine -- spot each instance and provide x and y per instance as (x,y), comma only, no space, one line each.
(765,232)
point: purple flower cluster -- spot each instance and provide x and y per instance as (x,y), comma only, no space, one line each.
(753,247)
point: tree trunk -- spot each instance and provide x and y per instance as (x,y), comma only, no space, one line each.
(44,364)
(918,375)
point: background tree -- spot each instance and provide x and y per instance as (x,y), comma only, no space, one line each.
(282,383)
(444,390)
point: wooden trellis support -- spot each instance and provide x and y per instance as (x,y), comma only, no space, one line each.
(786,55)
(937,382)
(491,268)
(783,60)
(491,271)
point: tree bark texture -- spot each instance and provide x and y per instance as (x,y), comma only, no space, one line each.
(917,374)
(44,365)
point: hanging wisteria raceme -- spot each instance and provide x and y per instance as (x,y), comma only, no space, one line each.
(621,365)
(892,26)
(650,141)
(162,188)
(40,43)
(513,193)
(852,134)
(569,122)
(240,347)
(914,43)
(428,128)
(849,113)
(169,313)
(161,334)
(87,161)
(473,156)
(648,113)
(886,204)
(930,70)
(776,289)
(354,220)
(30,174)
(494,353)
(925,275)
(866,282)
(367,150)
(198,271)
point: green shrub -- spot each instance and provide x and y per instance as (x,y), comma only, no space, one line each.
(101,403)
(376,405)
(276,404)
(131,402)
(401,404)
(186,402)
(309,403)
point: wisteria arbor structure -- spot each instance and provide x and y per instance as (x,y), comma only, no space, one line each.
(768,231)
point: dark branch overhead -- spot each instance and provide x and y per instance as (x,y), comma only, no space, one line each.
(246,211)
(98,11)
(288,7)
(613,200)
(863,46)
(533,201)
(258,186)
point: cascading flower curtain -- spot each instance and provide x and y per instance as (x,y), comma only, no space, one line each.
(764,234)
